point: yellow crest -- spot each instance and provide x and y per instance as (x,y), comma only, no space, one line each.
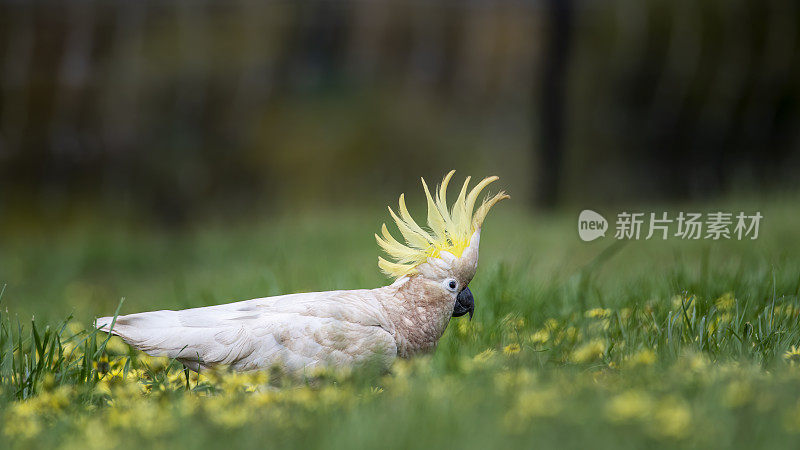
(450,229)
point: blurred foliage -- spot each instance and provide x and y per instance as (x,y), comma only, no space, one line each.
(182,108)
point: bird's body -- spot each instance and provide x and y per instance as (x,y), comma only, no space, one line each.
(297,332)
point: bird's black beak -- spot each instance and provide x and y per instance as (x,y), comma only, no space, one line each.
(464,304)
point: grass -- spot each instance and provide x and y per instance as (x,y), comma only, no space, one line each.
(603,345)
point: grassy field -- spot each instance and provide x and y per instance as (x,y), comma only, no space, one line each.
(573,344)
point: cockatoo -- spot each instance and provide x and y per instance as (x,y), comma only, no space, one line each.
(299,332)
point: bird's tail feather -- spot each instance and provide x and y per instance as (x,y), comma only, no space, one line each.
(157,333)
(104,324)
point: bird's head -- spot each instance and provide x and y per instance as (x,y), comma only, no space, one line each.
(444,256)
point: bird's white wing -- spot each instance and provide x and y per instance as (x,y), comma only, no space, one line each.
(295,332)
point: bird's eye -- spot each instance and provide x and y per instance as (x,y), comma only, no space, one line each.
(452,284)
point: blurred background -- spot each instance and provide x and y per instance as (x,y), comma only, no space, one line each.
(173,110)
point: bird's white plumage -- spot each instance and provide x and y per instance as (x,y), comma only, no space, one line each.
(294,332)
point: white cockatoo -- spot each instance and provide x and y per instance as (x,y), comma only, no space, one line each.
(297,332)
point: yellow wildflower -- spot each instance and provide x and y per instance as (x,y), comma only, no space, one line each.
(513,380)
(792,356)
(74,327)
(645,357)
(101,365)
(117,346)
(22,420)
(628,406)
(530,405)
(737,394)
(672,418)
(679,302)
(726,302)
(541,336)
(484,356)
(155,363)
(511,349)
(598,313)
(591,351)
(570,335)
(512,322)
(551,324)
